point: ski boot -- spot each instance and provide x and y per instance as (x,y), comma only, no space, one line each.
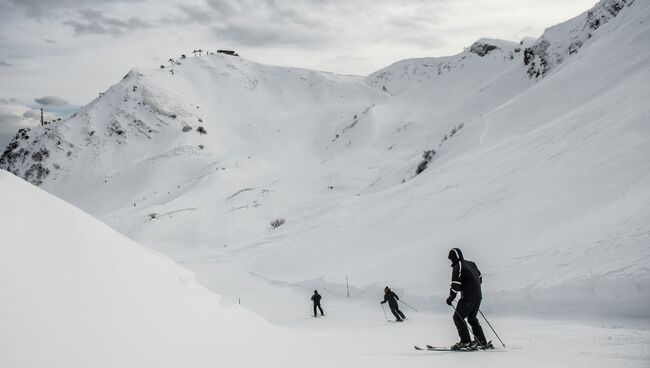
(462,346)
(483,346)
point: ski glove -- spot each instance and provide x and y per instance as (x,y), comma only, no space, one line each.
(449,300)
(382,302)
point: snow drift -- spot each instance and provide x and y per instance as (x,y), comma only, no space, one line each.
(77,294)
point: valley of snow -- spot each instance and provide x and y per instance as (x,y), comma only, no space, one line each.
(540,174)
(77,294)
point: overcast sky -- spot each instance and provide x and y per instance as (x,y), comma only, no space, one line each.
(59,54)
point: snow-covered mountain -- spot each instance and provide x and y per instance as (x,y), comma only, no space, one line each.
(530,156)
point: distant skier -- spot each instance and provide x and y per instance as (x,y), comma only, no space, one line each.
(392,298)
(316,299)
(466,279)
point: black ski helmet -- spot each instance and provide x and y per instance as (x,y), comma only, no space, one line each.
(455,255)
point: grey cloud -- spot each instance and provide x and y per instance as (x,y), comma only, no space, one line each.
(270,23)
(9,118)
(5,64)
(223,7)
(32,114)
(308,23)
(51,100)
(90,28)
(8,101)
(193,14)
(95,22)
(270,35)
(42,8)
(189,15)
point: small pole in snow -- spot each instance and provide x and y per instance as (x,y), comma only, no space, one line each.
(41,116)
(239,301)
(347,286)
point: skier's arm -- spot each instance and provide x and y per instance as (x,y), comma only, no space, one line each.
(455,280)
(396,297)
(455,283)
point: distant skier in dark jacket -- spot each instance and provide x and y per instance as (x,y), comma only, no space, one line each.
(316,299)
(466,279)
(392,298)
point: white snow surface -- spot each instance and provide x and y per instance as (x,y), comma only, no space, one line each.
(541,176)
(75,293)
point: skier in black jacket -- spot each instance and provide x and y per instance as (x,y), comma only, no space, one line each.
(392,298)
(316,299)
(466,279)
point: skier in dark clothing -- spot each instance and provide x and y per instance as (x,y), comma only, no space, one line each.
(466,279)
(316,299)
(392,298)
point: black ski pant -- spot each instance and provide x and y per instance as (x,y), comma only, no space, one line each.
(468,308)
(317,305)
(394,308)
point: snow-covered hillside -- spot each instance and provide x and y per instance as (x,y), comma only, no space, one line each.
(75,293)
(532,157)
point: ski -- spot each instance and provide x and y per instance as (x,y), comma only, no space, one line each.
(434,348)
(444,348)
(441,348)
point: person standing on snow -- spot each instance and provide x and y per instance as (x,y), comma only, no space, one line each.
(392,298)
(466,279)
(316,299)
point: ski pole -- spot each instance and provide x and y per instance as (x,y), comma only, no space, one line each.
(407,305)
(384,309)
(495,333)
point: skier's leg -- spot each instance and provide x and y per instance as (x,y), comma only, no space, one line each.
(315,315)
(401,313)
(477,330)
(462,310)
(321,310)
(394,311)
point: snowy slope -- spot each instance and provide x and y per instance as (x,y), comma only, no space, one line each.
(539,173)
(547,190)
(77,294)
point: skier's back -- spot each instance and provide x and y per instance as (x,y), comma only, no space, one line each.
(466,279)
(316,299)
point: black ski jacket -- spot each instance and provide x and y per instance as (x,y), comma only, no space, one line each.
(391,298)
(466,279)
(316,298)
